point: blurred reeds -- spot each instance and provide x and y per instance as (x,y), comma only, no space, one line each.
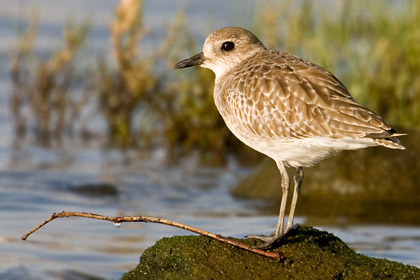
(42,100)
(128,87)
(373,47)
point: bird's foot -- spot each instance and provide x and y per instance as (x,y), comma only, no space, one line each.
(268,240)
(273,238)
(291,228)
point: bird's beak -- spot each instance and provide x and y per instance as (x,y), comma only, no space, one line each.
(192,61)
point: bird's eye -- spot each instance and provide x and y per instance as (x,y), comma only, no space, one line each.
(228,46)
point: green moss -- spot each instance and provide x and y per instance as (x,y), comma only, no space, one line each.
(309,254)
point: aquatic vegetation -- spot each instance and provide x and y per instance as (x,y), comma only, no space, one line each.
(127,87)
(374,48)
(42,100)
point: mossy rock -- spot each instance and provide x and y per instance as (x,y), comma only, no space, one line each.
(308,253)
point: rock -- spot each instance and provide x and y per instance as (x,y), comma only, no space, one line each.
(99,189)
(309,254)
(368,185)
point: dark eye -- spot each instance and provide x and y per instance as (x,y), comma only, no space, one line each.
(228,46)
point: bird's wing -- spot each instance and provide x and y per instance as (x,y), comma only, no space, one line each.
(292,98)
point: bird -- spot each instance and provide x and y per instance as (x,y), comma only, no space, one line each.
(285,107)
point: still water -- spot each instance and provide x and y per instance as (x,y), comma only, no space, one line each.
(185,193)
(147,186)
(35,182)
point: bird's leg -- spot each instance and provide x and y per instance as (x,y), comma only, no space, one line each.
(278,234)
(285,185)
(298,183)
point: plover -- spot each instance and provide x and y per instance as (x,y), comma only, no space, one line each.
(285,107)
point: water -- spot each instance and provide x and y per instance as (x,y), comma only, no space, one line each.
(185,194)
(35,182)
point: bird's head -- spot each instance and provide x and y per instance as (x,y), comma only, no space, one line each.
(224,49)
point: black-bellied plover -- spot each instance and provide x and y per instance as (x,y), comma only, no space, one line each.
(285,107)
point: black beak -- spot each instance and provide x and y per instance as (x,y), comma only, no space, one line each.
(192,61)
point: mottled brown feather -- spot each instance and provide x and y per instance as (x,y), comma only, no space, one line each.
(277,95)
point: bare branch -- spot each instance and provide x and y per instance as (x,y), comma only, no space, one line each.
(272,255)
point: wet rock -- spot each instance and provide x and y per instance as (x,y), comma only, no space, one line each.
(95,189)
(309,254)
(373,184)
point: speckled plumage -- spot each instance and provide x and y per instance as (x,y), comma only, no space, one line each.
(285,107)
(274,102)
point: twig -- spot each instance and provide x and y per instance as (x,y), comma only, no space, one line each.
(117,220)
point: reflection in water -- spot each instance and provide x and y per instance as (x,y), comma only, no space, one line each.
(185,193)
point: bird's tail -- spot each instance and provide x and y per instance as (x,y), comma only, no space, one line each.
(392,142)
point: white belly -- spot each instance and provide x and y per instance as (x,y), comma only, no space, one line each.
(296,152)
